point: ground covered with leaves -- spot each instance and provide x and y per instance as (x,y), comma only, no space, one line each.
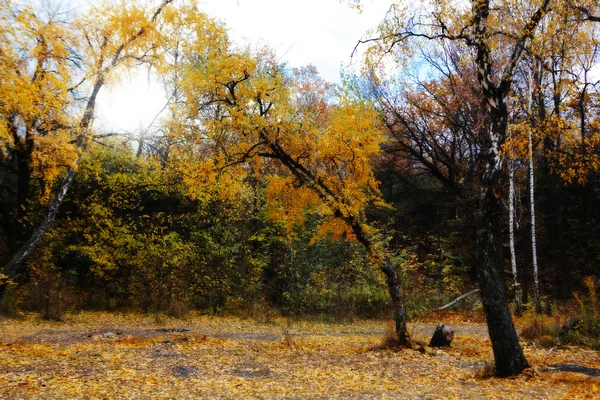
(101,355)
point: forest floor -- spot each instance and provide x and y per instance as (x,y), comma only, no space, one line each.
(120,356)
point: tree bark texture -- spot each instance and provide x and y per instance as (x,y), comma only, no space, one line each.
(533,82)
(399,312)
(536,280)
(508,355)
(511,228)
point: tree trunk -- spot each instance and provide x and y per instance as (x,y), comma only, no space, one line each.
(508,355)
(536,280)
(12,267)
(399,312)
(442,337)
(393,282)
(305,176)
(511,228)
(533,81)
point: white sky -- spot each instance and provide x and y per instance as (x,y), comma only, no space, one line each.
(318,32)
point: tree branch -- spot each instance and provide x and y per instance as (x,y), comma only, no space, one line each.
(458,299)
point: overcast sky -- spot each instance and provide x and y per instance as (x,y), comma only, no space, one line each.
(318,32)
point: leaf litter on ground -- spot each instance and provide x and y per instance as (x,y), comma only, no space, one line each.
(104,355)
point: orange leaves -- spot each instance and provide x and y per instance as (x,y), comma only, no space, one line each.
(336,228)
(34,68)
(125,28)
(55,151)
(287,204)
(575,156)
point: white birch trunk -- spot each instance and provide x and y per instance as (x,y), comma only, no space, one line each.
(511,227)
(536,280)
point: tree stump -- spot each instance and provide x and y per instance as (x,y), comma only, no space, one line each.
(442,337)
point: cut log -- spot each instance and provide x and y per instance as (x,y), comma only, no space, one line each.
(442,337)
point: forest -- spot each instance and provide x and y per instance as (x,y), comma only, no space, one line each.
(460,152)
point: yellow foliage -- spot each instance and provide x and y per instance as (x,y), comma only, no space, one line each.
(248,115)
(50,72)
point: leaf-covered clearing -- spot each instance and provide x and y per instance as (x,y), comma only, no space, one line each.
(101,355)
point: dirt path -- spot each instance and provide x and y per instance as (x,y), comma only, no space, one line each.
(57,333)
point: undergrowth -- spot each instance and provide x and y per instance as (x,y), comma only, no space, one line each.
(582,328)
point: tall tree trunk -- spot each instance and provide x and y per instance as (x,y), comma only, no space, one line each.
(534,80)
(508,355)
(12,267)
(511,228)
(536,280)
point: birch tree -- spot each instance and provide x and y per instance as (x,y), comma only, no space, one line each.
(511,227)
(498,49)
(73,60)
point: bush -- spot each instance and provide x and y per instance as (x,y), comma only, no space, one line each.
(9,302)
(583,329)
(587,330)
(588,307)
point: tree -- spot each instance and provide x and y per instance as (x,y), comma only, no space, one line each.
(246,114)
(519,146)
(497,49)
(435,125)
(511,227)
(559,58)
(71,59)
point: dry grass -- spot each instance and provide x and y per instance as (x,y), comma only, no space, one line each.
(541,329)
